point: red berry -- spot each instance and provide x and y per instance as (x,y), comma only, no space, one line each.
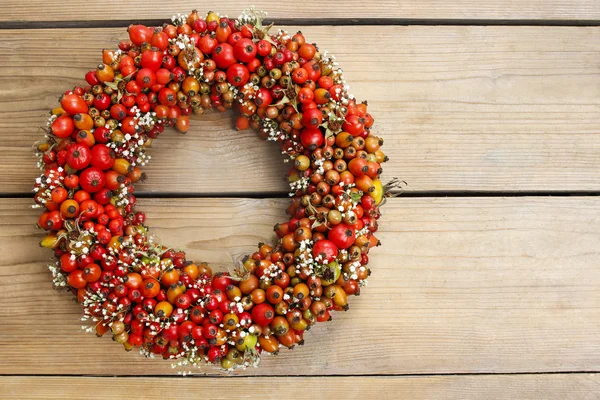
(263,48)
(152,59)
(311,138)
(62,127)
(326,250)
(102,134)
(237,74)
(342,236)
(245,50)
(209,331)
(221,282)
(139,34)
(103,157)
(353,125)
(160,39)
(183,301)
(312,118)
(73,104)
(263,314)
(102,101)
(223,55)
(145,77)
(92,179)
(78,156)
(199,25)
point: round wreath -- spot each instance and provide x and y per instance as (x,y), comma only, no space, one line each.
(150,296)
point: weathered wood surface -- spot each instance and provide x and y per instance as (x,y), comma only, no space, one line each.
(497,387)
(461,285)
(460,108)
(76,10)
(473,286)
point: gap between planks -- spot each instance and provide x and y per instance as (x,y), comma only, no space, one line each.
(354,375)
(395,194)
(314,22)
(429,10)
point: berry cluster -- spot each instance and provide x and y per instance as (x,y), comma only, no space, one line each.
(150,296)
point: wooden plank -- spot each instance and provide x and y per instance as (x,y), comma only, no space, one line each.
(461,108)
(460,285)
(55,10)
(499,387)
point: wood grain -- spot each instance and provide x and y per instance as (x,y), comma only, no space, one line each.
(77,10)
(460,108)
(502,387)
(506,289)
(460,285)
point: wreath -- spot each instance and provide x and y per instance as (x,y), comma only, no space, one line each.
(150,296)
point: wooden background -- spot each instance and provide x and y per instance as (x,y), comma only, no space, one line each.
(488,283)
